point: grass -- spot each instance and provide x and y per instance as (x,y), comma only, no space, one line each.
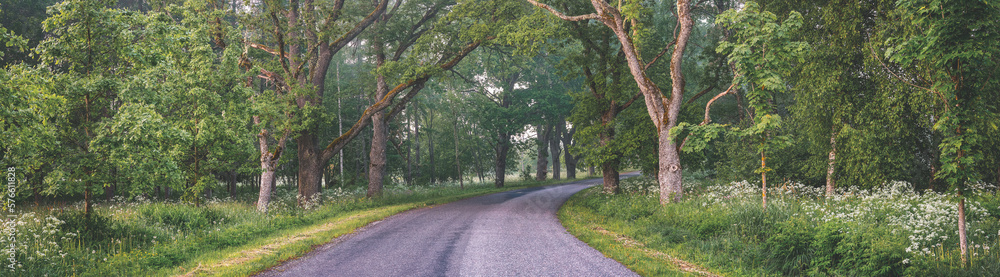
(593,229)
(888,231)
(220,238)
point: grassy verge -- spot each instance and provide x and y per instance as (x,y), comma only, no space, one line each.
(220,238)
(607,236)
(888,231)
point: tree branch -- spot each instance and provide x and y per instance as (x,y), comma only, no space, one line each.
(399,150)
(563,16)
(708,106)
(940,96)
(279,35)
(701,93)
(629,103)
(366,116)
(664,51)
(406,99)
(336,45)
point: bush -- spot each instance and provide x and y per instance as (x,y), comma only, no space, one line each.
(183,217)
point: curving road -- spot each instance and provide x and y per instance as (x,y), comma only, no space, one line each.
(513,233)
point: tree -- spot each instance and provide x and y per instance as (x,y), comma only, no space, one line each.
(568,154)
(399,30)
(301,38)
(662,110)
(950,51)
(554,151)
(195,86)
(762,53)
(597,108)
(502,112)
(543,136)
(89,53)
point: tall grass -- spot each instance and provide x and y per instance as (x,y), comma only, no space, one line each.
(888,231)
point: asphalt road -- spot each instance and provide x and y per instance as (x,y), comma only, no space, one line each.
(513,233)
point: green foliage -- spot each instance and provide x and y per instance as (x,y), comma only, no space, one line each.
(11,40)
(698,136)
(954,57)
(21,29)
(125,95)
(762,53)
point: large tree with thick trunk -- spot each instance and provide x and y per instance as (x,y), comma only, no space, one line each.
(663,110)
(301,38)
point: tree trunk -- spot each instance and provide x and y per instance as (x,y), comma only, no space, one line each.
(763,179)
(555,137)
(611,177)
(310,165)
(669,175)
(416,139)
(430,145)
(325,181)
(267,178)
(268,164)
(86,199)
(409,150)
(935,157)
(963,240)
(477,156)
(232,183)
(39,178)
(590,170)
(567,139)
(340,128)
(458,163)
(502,147)
(310,171)
(109,190)
(380,133)
(830,166)
(542,161)
(479,167)
(363,162)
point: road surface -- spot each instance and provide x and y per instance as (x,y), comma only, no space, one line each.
(513,233)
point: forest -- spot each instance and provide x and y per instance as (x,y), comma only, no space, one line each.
(829,137)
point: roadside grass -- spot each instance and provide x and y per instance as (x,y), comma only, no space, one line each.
(592,229)
(887,231)
(221,238)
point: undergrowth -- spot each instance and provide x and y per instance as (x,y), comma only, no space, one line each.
(891,230)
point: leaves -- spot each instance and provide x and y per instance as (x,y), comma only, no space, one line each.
(954,57)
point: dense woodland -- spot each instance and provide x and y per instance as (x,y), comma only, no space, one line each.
(202,99)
